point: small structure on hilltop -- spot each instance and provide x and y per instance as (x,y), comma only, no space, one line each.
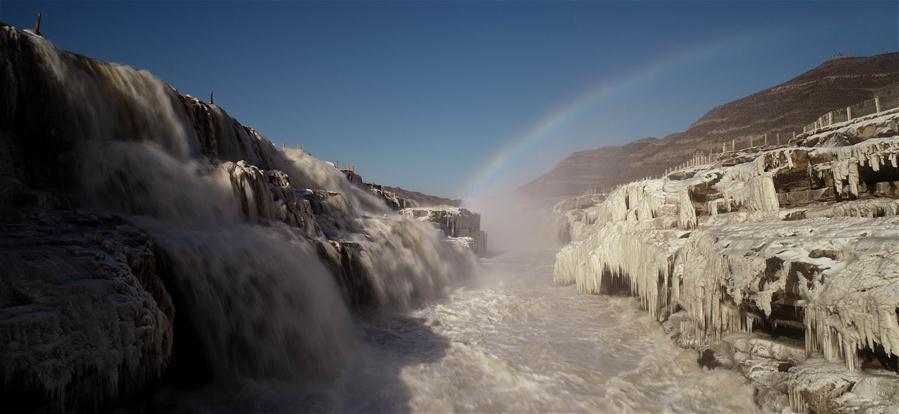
(37,24)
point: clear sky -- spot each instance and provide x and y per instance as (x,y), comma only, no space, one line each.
(452,98)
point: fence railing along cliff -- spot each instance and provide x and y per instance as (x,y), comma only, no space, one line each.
(884,99)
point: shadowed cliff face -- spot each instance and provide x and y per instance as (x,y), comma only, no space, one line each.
(263,254)
(785,108)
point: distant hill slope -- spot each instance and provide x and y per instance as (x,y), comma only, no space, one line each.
(785,108)
(395,196)
(422,199)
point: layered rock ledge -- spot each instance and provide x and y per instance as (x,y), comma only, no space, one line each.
(81,304)
(458,224)
(780,262)
(149,236)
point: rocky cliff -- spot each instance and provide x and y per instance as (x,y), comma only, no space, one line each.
(150,235)
(458,224)
(781,262)
(783,109)
(424,200)
(397,198)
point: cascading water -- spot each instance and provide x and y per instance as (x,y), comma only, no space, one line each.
(242,248)
(264,249)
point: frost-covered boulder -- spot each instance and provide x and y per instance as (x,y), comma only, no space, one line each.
(84,318)
(762,259)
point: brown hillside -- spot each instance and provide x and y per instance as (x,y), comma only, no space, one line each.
(785,108)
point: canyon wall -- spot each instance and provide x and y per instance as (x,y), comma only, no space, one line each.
(148,234)
(779,261)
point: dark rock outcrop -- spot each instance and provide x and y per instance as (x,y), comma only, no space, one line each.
(148,235)
(421,199)
(84,317)
(397,198)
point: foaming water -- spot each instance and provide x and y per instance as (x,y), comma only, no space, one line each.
(253,290)
(513,342)
(262,304)
(255,273)
(518,343)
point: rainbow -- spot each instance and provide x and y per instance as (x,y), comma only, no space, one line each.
(556,119)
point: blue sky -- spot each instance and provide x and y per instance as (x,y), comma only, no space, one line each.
(423,95)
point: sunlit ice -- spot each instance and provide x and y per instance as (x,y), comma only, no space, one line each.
(449,207)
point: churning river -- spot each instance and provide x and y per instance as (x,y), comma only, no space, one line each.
(256,295)
(510,341)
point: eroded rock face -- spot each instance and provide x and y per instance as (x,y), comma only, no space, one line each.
(265,253)
(390,196)
(458,224)
(797,245)
(83,315)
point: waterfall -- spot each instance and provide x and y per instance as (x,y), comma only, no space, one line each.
(265,249)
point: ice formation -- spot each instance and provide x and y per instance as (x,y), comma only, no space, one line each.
(460,225)
(265,253)
(790,239)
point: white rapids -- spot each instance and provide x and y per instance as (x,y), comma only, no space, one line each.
(512,342)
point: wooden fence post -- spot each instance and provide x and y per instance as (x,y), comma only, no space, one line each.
(877,104)
(848,113)
(37,24)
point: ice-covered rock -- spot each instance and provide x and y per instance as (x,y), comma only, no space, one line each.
(393,200)
(876,125)
(458,224)
(83,314)
(265,252)
(794,242)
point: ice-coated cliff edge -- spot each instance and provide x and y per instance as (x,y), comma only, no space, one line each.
(459,224)
(147,232)
(781,262)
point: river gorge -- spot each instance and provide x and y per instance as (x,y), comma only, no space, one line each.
(160,256)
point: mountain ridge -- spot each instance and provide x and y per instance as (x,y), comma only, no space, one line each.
(780,109)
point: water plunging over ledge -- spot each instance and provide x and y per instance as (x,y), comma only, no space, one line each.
(511,342)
